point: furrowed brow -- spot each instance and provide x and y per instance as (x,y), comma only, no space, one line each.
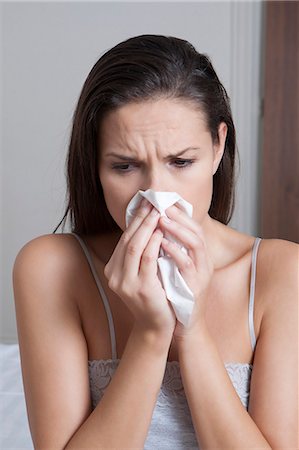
(170,156)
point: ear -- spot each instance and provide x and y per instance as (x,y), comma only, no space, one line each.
(219,147)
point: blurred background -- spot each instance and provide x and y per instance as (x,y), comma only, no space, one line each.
(46,52)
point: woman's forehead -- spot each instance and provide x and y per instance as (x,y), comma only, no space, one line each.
(144,134)
(153,118)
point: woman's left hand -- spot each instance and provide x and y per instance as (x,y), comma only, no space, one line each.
(196,267)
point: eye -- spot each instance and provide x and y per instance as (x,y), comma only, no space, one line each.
(178,162)
(183,163)
(121,167)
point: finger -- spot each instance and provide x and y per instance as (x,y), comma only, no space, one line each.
(148,264)
(137,244)
(194,277)
(141,212)
(181,233)
(117,259)
(176,213)
(184,229)
(184,263)
(182,260)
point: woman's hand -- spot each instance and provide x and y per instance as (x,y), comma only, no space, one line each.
(132,273)
(196,267)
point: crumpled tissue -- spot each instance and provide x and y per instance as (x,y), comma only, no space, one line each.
(176,289)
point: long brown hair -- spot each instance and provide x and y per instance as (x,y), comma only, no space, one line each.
(145,67)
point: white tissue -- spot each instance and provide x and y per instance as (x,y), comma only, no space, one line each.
(177,291)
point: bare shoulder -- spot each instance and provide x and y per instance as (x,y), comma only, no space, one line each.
(279,251)
(277,268)
(54,250)
(56,258)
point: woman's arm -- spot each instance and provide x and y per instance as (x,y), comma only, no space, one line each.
(123,416)
(219,418)
(47,278)
(47,273)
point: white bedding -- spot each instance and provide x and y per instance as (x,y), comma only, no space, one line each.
(14,428)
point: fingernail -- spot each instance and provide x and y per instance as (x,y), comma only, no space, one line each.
(166,220)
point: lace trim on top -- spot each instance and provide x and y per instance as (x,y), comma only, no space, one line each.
(172,390)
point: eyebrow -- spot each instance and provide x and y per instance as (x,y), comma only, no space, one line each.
(129,158)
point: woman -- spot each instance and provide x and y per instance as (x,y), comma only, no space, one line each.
(92,314)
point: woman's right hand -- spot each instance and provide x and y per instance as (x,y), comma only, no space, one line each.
(132,273)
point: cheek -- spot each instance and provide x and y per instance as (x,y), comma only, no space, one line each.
(199,193)
(116,205)
(116,199)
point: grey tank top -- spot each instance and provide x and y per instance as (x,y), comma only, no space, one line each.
(171,425)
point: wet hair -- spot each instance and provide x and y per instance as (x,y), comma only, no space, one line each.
(146,67)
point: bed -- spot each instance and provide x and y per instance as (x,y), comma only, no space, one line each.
(14,428)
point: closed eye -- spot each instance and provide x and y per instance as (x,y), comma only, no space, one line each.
(179,164)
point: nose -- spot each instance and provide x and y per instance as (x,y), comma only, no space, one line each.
(157,182)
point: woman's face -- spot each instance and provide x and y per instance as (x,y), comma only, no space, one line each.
(162,145)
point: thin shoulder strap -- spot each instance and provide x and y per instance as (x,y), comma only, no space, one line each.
(252,291)
(103,295)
